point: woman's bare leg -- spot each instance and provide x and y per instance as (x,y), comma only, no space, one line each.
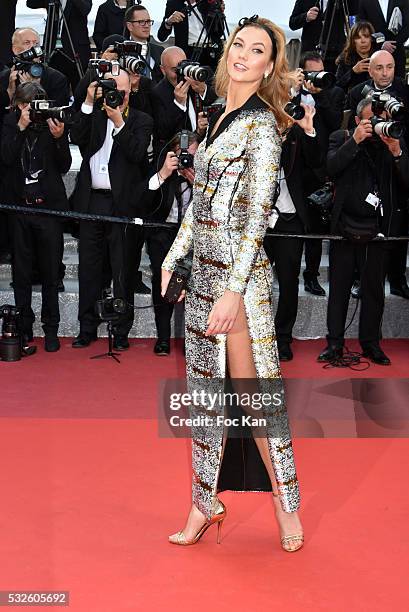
(241,365)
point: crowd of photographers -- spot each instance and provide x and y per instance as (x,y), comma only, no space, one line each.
(138,112)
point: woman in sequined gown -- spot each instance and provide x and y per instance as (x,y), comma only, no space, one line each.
(229,321)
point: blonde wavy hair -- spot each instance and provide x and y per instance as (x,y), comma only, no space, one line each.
(275,90)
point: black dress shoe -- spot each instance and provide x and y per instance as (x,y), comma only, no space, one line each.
(5,257)
(400,290)
(312,286)
(331,353)
(141,288)
(121,343)
(284,351)
(376,354)
(83,339)
(51,344)
(162,347)
(356,290)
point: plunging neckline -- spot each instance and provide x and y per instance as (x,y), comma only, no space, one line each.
(252,103)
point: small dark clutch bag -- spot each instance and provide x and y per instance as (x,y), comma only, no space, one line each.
(179,278)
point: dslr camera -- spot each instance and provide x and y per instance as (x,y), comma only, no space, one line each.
(382,102)
(23,62)
(320,79)
(193,70)
(210,110)
(111,95)
(110,308)
(296,111)
(185,158)
(11,342)
(322,201)
(41,110)
(130,56)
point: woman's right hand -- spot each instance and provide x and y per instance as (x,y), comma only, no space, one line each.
(25,120)
(166,276)
(361,66)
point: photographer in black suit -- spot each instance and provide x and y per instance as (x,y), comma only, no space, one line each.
(329,105)
(301,151)
(314,17)
(139,24)
(176,106)
(382,72)
(35,154)
(189,21)
(53,82)
(379,13)
(371,175)
(113,143)
(172,187)
(110,19)
(76,15)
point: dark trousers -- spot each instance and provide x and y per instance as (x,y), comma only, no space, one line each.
(286,254)
(370,260)
(159,242)
(313,248)
(94,237)
(39,236)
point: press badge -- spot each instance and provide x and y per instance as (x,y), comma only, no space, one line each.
(373,200)
(103,168)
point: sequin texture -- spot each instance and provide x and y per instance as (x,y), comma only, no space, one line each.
(225,225)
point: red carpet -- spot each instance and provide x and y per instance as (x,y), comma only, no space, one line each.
(90,493)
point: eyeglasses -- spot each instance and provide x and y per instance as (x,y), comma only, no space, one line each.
(142,22)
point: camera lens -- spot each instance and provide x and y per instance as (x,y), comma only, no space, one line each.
(36,70)
(295,111)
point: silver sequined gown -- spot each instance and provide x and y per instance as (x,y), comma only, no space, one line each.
(225,224)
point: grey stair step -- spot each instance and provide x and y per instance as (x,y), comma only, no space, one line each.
(311,319)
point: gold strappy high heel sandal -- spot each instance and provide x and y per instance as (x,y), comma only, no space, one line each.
(218,517)
(293,537)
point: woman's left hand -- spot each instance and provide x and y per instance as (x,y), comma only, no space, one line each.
(223,314)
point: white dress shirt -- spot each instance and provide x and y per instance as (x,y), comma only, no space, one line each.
(191,109)
(98,163)
(384,6)
(195,27)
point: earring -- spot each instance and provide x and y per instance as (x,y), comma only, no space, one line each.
(266,75)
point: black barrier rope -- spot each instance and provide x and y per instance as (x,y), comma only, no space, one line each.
(68,214)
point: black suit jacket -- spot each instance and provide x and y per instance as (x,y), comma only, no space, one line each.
(7,27)
(127,165)
(181,30)
(299,154)
(162,199)
(370,10)
(76,14)
(354,179)
(169,118)
(53,81)
(156,51)
(56,158)
(311,30)
(109,20)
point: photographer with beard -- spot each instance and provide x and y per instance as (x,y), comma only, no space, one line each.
(371,175)
(35,154)
(113,140)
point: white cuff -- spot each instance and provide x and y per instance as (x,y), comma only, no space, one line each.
(155,182)
(116,130)
(311,134)
(86,108)
(183,108)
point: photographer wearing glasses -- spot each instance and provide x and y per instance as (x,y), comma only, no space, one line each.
(370,168)
(113,139)
(35,153)
(139,24)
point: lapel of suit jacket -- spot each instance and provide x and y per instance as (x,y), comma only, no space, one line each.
(391,6)
(100,130)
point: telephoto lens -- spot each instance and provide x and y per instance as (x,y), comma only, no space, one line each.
(389,129)
(132,64)
(320,79)
(296,111)
(192,70)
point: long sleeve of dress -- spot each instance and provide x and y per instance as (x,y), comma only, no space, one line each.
(183,242)
(263,153)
